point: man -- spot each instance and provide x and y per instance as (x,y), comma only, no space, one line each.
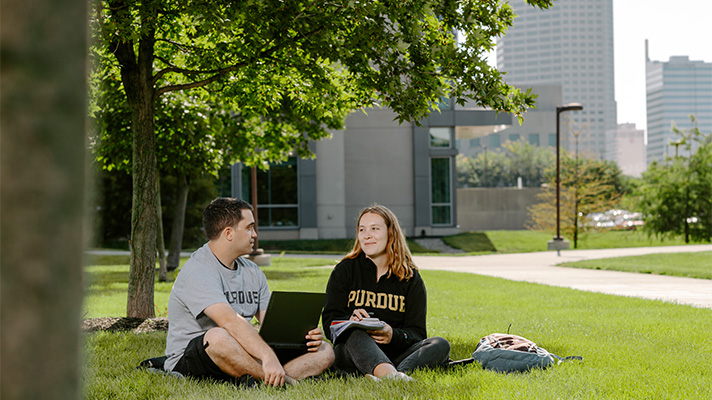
(215,295)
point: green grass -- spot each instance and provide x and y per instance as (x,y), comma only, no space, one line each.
(529,241)
(323,246)
(690,265)
(632,348)
(107,283)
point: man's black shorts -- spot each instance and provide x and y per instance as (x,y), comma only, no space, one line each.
(197,363)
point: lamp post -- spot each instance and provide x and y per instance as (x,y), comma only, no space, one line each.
(558,243)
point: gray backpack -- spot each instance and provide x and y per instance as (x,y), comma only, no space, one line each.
(503,352)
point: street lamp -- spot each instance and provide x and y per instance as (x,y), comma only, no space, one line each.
(558,243)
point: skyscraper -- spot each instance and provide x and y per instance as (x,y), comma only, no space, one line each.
(570,44)
(625,145)
(675,89)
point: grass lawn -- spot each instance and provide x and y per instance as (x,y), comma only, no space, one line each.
(323,246)
(632,348)
(689,265)
(529,241)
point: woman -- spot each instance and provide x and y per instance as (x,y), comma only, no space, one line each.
(378,279)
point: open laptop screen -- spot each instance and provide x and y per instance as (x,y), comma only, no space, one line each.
(290,316)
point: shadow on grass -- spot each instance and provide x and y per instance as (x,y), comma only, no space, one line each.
(107,280)
(283,275)
(471,242)
(104,259)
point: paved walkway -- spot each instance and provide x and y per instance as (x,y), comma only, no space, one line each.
(541,268)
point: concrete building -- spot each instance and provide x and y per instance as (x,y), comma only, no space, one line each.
(570,44)
(538,128)
(625,146)
(408,168)
(675,89)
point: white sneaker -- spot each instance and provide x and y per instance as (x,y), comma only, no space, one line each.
(399,376)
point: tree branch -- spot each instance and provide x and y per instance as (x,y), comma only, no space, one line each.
(217,75)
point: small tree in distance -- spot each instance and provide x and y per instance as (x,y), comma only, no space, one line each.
(587,186)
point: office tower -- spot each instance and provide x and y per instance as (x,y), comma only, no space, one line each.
(625,146)
(675,89)
(570,44)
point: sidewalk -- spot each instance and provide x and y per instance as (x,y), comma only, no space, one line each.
(541,268)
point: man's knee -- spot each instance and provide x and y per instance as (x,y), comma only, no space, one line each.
(327,353)
(217,339)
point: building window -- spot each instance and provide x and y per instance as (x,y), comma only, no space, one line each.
(493,141)
(277,194)
(552,139)
(534,139)
(440,191)
(440,137)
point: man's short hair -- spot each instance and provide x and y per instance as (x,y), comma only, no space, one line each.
(221,213)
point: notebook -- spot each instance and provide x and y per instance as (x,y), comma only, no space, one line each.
(290,316)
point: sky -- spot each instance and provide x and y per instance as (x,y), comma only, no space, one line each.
(672,27)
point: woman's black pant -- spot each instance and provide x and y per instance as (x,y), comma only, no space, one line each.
(359,352)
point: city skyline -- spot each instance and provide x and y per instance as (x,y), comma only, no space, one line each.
(683,30)
(679,31)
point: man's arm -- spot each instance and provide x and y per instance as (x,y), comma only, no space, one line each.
(243,332)
(261,316)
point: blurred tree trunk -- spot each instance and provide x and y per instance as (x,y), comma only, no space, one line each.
(176,241)
(42,168)
(160,243)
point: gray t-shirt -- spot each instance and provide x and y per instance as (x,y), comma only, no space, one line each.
(202,282)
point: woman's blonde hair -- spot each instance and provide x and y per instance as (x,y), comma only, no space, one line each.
(400,261)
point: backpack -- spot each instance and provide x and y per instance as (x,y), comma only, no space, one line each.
(503,352)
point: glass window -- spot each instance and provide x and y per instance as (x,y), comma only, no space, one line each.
(440,191)
(552,139)
(534,139)
(277,194)
(440,137)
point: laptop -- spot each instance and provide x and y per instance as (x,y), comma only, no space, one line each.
(290,316)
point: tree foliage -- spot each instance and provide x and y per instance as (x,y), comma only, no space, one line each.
(519,159)
(284,72)
(587,186)
(676,195)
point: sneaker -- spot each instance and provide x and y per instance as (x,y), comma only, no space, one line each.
(373,378)
(398,376)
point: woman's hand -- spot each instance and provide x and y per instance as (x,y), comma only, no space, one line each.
(359,314)
(314,339)
(382,336)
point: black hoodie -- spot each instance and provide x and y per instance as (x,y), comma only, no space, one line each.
(401,304)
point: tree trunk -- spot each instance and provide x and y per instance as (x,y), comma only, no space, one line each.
(176,241)
(143,219)
(162,270)
(42,169)
(136,75)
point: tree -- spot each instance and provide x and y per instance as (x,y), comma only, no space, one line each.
(503,168)
(293,69)
(587,186)
(488,169)
(676,195)
(42,166)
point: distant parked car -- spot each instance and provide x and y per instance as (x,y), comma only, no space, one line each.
(615,219)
